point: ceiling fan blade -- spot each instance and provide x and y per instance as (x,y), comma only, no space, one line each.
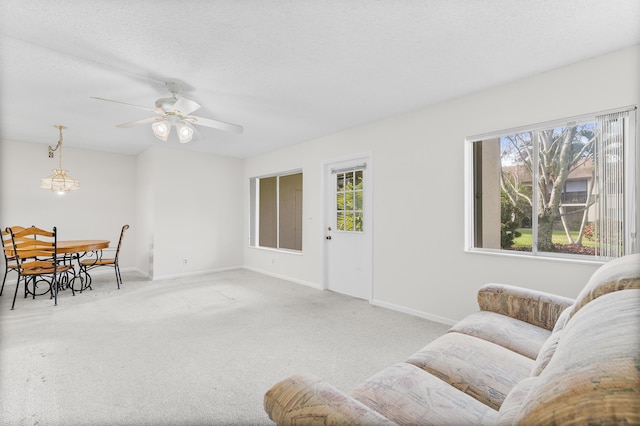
(143,121)
(216,124)
(124,103)
(186,106)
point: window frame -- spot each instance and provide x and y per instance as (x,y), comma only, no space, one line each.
(254,211)
(631,184)
(354,191)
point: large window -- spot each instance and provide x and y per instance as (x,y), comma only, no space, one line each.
(276,211)
(562,189)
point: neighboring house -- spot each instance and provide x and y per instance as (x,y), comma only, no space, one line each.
(575,194)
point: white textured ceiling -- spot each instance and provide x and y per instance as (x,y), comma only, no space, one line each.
(286,70)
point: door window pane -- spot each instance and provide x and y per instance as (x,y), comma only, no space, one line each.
(350,201)
(340,221)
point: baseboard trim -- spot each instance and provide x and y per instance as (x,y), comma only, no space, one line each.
(110,271)
(209,271)
(132,269)
(283,277)
(195,273)
(414,312)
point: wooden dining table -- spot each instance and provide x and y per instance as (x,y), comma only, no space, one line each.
(77,249)
(81,246)
(72,246)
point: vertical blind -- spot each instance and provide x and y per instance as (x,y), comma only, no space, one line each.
(610,173)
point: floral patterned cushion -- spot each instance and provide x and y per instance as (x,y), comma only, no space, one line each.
(516,335)
(546,353)
(304,399)
(512,405)
(618,274)
(481,369)
(408,395)
(593,377)
(530,306)
(562,319)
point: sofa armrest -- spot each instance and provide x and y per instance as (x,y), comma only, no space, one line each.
(532,306)
(306,399)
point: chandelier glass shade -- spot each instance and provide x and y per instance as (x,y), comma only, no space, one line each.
(59,181)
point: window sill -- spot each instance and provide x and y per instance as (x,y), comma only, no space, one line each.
(278,250)
(527,255)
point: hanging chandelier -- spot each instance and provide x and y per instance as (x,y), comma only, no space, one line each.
(59,181)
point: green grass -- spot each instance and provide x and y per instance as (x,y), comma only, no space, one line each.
(559,237)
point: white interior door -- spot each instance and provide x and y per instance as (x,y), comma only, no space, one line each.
(348,228)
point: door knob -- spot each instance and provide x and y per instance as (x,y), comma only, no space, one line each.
(328,237)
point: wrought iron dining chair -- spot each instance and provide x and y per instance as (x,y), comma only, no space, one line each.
(10,263)
(35,251)
(98,260)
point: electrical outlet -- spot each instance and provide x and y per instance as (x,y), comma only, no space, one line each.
(185,261)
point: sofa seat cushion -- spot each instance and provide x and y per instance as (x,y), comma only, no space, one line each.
(304,399)
(511,333)
(481,369)
(408,395)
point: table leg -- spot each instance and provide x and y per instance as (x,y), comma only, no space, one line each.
(83,273)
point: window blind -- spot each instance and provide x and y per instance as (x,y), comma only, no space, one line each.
(609,165)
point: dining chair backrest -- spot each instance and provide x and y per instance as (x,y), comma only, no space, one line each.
(10,261)
(7,243)
(124,228)
(35,250)
(98,261)
(27,247)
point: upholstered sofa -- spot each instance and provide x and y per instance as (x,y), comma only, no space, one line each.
(526,358)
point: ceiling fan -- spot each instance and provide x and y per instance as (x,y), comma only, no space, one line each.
(175,111)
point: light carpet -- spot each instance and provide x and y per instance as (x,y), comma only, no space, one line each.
(200,350)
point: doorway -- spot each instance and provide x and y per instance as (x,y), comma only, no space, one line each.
(348,227)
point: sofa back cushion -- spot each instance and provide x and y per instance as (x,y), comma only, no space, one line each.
(548,348)
(619,274)
(593,375)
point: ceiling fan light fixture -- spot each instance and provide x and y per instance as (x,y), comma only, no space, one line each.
(185,132)
(175,111)
(161,129)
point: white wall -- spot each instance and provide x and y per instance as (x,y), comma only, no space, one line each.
(144,211)
(420,265)
(197,213)
(104,202)
(306,268)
